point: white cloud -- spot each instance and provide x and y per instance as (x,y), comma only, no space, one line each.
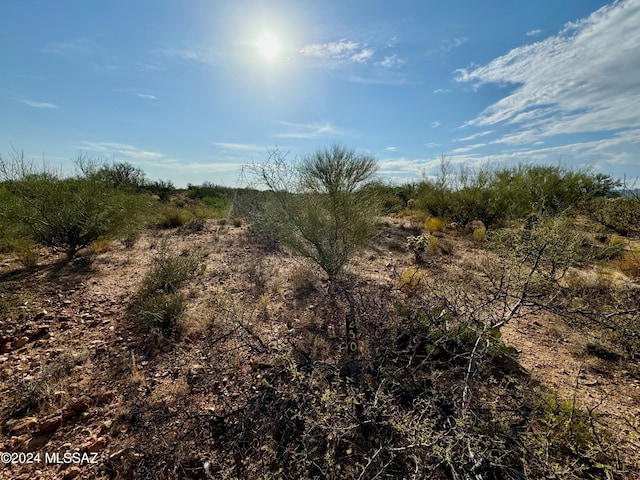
(391,149)
(309,130)
(435,124)
(149,67)
(146,95)
(533,33)
(614,155)
(468,148)
(582,80)
(39,104)
(239,147)
(120,149)
(342,51)
(455,43)
(391,61)
(474,136)
(441,90)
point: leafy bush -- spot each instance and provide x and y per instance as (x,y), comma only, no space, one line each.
(169,272)
(162,188)
(620,214)
(159,304)
(122,176)
(319,207)
(68,213)
(494,194)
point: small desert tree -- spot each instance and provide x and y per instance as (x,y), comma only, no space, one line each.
(318,206)
(67,212)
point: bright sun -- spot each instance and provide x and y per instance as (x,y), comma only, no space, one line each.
(269,45)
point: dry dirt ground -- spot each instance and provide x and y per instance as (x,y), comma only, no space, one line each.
(72,359)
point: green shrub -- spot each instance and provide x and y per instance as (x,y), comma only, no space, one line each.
(493,194)
(159,312)
(618,214)
(162,188)
(169,272)
(122,176)
(68,213)
(159,303)
(318,207)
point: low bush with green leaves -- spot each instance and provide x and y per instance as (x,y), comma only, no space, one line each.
(493,194)
(67,212)
(160,304)
(319,207)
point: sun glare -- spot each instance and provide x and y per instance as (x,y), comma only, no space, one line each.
(269,45)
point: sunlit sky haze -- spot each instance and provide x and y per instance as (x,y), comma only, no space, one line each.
(190,91)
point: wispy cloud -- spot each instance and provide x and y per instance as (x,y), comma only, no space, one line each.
(613,155)
(582,80)
(309,130)
(468,148)
(120,149)
(73,48)
(391,61)
(474,136)
(208,56)
(84,51)
(146,95)
(403,169)
(441,90)
(39,104)
(454,43)
(391,149)
(239,147)
(149,67)
(342,51)
(533,33)
(435,124)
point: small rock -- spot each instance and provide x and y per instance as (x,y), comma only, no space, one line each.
(23,425)
(71,472)
(50,425)
(106,425)
(80,405)
(37,442)
(97,445)
(22,341)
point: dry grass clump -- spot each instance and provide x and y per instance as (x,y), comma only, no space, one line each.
(480,234)
(173,219)
(629,263)
(412,280)
(435,224)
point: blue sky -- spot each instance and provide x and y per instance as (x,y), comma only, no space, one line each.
(190,90)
